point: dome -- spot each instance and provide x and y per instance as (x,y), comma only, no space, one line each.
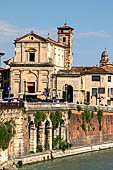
(104,53)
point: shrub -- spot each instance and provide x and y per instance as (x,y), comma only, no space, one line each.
(79,108)
(69,114)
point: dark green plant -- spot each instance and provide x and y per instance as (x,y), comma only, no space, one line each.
(69,114)
(56,119)
(39,148)
(6,133)
(100,117)
(95,109)
(11,95)
(24,110)
(79,108)
(39,116)
(92,115)
(32,152)
(61,144)
(83,126)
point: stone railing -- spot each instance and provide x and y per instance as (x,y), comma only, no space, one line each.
(63,106)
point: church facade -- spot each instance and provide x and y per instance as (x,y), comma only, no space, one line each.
(42,67)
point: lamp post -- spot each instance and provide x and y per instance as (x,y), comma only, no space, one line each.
(25,90)
(66,87)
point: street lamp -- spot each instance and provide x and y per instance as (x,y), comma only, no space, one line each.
(25,90)
(66,87)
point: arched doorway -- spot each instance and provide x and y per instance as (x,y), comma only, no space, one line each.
(69,93)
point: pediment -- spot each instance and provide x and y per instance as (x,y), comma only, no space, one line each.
(31,37)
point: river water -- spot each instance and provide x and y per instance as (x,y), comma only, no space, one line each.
(101,160)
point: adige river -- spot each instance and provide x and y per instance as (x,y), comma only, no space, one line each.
(101,160)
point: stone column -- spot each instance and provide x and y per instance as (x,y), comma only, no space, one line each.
(56,132)
(33,137)
(41,132)
(19,137)
(63,132)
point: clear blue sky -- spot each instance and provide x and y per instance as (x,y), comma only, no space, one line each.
(91,19)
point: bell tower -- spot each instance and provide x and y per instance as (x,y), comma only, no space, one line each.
(65,36)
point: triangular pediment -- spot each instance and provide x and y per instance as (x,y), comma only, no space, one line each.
(31,37)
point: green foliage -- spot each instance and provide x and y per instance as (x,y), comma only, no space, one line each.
(79,108)
(39,116)
(32,152)
(69,114)
(39,148)
(95,109)
(61,144)
(6,133)
(78,119)
(87,116)
(11,95)
(92,115)
(24,110)
(29,119)
(83,126)
(56,119)
(100,117)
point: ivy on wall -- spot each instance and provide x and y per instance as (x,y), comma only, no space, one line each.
(100,117)
(56,119)
(6,133)
(39,116)
(88,116)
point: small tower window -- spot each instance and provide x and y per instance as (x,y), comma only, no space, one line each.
(32,57)
(64,39)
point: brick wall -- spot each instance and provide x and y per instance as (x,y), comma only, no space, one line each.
(79,137)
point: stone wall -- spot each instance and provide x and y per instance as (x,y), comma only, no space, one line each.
(79,137)
(18,145)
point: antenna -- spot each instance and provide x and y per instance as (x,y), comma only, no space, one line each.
(65,21)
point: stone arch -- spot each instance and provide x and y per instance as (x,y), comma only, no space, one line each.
(48,134)
(29,128)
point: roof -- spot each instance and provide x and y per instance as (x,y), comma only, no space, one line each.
(103,69)
(32,34)
(56,43)
(104,53)
(66,27)
(82,68)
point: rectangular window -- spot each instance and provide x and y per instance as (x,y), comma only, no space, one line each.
(94,91)
(101,90)
(31,87)
(32,57)
(109,78)
(95,78)
(64,39)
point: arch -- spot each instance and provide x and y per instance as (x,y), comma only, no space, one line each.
(48,135)
(29,128)
(69,93)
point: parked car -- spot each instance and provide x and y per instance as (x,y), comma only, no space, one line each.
(12,100)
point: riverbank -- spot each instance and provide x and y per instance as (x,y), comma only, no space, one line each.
(48,155)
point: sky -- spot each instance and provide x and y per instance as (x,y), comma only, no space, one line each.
(92,21)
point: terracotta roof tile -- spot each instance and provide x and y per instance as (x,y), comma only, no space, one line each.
(65,27)
(55,42)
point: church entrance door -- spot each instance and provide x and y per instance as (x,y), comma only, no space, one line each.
(70,93)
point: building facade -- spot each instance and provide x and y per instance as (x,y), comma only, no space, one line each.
(42,67)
